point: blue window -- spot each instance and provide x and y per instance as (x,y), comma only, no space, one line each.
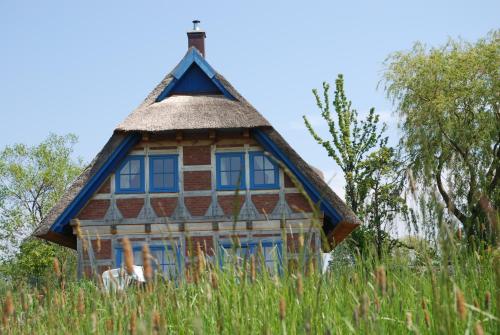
(264,173)
(130,175)
(271,252)
(163,173)
(165,259)
(230,171)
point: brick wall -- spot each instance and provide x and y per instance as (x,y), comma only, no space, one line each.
(130,208)
(297,202)
(197,180)
(101,249)
(197,155)
(265,203)
(94,210)
(164,206)
(231,203)
(105,187)
(197,206)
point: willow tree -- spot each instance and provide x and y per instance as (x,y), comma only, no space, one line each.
(449,105)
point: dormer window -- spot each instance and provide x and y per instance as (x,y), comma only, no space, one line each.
(130,175)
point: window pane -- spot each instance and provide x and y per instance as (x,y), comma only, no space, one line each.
(126,168)
(259,177)
(225,164)
(157,165)
(169,164)
(235,163)
(224,178)
(135,166)
(267,163)
(124,181)
(137,257)
(170,181)
(135,181)
(235,178)
(270,176)
(158,181)
(258,162)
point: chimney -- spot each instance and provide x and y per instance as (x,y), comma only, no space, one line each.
(196,37)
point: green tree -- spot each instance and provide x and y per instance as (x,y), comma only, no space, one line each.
(384,203)
(32,179)
(360,150)
(449,104)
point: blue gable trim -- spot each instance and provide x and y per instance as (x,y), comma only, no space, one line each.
(194,80)
(184,68)
(311,190)
(94,183)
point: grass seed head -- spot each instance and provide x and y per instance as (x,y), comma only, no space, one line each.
(8,307)
(146,263)
(253,271)
(156,322)
(460,304)
(427,318)
(57,267)
(282,308)
(409,320)
(133,324)
(300,285)
(128,255)
(381,279)
(81,302)
(478,329)
(487,300)
(214,280)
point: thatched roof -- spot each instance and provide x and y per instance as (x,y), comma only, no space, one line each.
(185,112)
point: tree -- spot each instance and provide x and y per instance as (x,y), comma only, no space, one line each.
(448,101)
(32,179)
(360,150)
(384,203)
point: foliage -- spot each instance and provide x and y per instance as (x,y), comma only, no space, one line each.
(448,101)
(371,169)
(456,296)
(32,179)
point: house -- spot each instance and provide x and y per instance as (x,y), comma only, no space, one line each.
(195,163)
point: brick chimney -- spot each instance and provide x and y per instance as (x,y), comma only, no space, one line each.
(196,37)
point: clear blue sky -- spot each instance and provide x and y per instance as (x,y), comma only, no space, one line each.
(81,67)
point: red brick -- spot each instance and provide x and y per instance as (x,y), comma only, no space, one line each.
(265,203)
(164,206)
(197,206)
(197,180)
(103,253)
(94,210)
(288,181)
(105,187)
(197,155)
(130,208)
(231,203)
(297,202)
(206,245)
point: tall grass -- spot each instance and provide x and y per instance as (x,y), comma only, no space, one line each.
(458,295)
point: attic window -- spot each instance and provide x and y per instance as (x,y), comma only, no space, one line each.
(264,173)
(130,175)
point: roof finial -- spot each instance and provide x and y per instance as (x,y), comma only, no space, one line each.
(196,25)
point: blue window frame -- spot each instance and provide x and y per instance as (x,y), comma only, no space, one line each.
(264,173)
(130,175)
(166,259)
(272,253)
(230,171)
(163,173)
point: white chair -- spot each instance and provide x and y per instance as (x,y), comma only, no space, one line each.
(119,279)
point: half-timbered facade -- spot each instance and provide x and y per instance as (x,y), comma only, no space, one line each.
(195,163)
